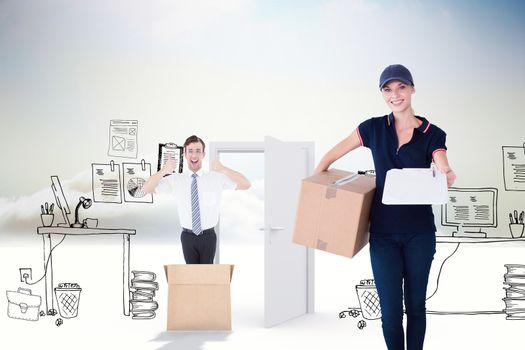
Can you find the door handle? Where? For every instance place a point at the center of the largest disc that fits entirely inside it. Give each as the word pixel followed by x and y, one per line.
pixel 272 228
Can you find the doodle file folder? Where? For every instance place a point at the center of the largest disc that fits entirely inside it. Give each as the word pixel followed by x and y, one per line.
pixel 415 186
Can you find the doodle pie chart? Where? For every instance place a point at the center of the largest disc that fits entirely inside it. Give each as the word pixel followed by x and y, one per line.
pixel 135 187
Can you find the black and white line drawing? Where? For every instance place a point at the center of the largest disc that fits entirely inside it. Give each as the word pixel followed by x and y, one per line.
pixel 68 294
pixel 516 225
pixel 514 167
pixel 476 240
pixel 514 299
pixel 48 235
pixel 170 151
pixel 23 305
pixel 47 215
pixel 106 182
pixel 369 307
pixel 85 203
pixel 68 299
pixel 26 274
pixel 470 207
pixel 123 138
pixel 134 177
pixel 60 200
pixel 143 287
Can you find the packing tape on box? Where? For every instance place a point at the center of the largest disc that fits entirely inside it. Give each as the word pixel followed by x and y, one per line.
pixel 331 190
pixel 321 244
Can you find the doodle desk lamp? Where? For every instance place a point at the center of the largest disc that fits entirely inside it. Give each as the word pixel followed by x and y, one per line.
pixel 85 203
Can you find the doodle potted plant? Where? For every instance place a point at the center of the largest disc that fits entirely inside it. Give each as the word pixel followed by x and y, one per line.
pixel 47 215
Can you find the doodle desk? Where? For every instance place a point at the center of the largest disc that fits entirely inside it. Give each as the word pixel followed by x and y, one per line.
pixel 469 240
pixel 49 232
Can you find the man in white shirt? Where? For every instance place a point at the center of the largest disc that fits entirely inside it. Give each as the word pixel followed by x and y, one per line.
pixel 197 196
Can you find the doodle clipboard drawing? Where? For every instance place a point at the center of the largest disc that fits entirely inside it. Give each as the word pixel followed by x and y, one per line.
pixel 106 182
pixel 134 177
pixel 170 151
pixel 123 140
pixel 514 168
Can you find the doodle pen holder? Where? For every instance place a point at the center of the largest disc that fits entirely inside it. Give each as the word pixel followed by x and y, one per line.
pixel 516 230
pixel 47 219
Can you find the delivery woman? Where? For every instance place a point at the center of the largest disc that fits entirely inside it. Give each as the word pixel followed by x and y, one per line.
pixel 402 237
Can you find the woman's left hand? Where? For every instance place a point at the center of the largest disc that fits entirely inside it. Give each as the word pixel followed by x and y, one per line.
pixel 451 176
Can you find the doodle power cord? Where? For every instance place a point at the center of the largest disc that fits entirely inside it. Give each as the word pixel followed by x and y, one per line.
pixel 441 268
pixel 45 267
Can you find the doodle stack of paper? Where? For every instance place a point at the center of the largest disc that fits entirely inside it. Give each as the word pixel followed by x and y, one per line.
pixel 515 290
pixel 143 287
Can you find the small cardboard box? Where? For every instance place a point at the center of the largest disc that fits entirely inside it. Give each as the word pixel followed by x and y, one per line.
pixel 199 296
pixel 333 212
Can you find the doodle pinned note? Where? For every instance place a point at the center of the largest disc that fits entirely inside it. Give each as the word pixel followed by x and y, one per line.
pixel 514 168
pixel 106 182
pixel 123 138
pixel 135 175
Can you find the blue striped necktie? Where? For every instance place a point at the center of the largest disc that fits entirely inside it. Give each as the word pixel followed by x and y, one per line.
pixel 195 211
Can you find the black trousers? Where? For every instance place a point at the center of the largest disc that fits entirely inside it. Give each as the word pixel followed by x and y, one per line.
pixel 198 249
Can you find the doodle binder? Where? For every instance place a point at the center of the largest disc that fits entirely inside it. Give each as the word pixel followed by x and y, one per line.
pixel 143 287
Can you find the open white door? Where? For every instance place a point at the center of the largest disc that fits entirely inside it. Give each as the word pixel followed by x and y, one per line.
pixel 288 280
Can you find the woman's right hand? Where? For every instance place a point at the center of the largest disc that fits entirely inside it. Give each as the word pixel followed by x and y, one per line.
pixel 348 144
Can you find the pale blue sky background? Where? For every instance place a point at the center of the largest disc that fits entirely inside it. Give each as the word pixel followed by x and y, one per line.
pixel 237 70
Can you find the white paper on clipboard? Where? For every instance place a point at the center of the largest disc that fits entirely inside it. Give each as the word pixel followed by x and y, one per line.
pixel 415 186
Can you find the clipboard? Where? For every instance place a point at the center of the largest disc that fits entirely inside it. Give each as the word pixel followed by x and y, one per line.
pixel 415 186
pixel 167 151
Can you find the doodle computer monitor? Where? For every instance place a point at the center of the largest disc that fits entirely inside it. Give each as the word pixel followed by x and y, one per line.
pixel 470 207
pixel 60 200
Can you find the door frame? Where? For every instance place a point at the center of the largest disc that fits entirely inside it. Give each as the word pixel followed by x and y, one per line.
pixel 215 148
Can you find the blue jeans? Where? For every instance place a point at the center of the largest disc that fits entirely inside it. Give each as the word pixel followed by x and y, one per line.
pixel 401 265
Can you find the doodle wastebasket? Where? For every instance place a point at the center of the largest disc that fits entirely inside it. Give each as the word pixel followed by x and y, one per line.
pixel 368 299
pixel 68 297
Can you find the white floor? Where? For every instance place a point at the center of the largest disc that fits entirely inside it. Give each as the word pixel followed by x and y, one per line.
pixel 101 324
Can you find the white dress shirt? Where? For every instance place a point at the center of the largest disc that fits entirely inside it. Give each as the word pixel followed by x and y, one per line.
pixel 209 184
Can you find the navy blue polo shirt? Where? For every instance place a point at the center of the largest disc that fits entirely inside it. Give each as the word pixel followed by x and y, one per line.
pixel 379 134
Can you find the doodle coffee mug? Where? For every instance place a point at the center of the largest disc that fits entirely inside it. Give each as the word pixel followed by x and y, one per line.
pixel 90 223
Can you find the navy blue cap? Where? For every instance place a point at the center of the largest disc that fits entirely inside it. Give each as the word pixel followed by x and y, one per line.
pixel 395 72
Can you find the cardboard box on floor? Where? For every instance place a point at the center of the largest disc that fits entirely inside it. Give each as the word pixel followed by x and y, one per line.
pixel 199 296
pixel 333 212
